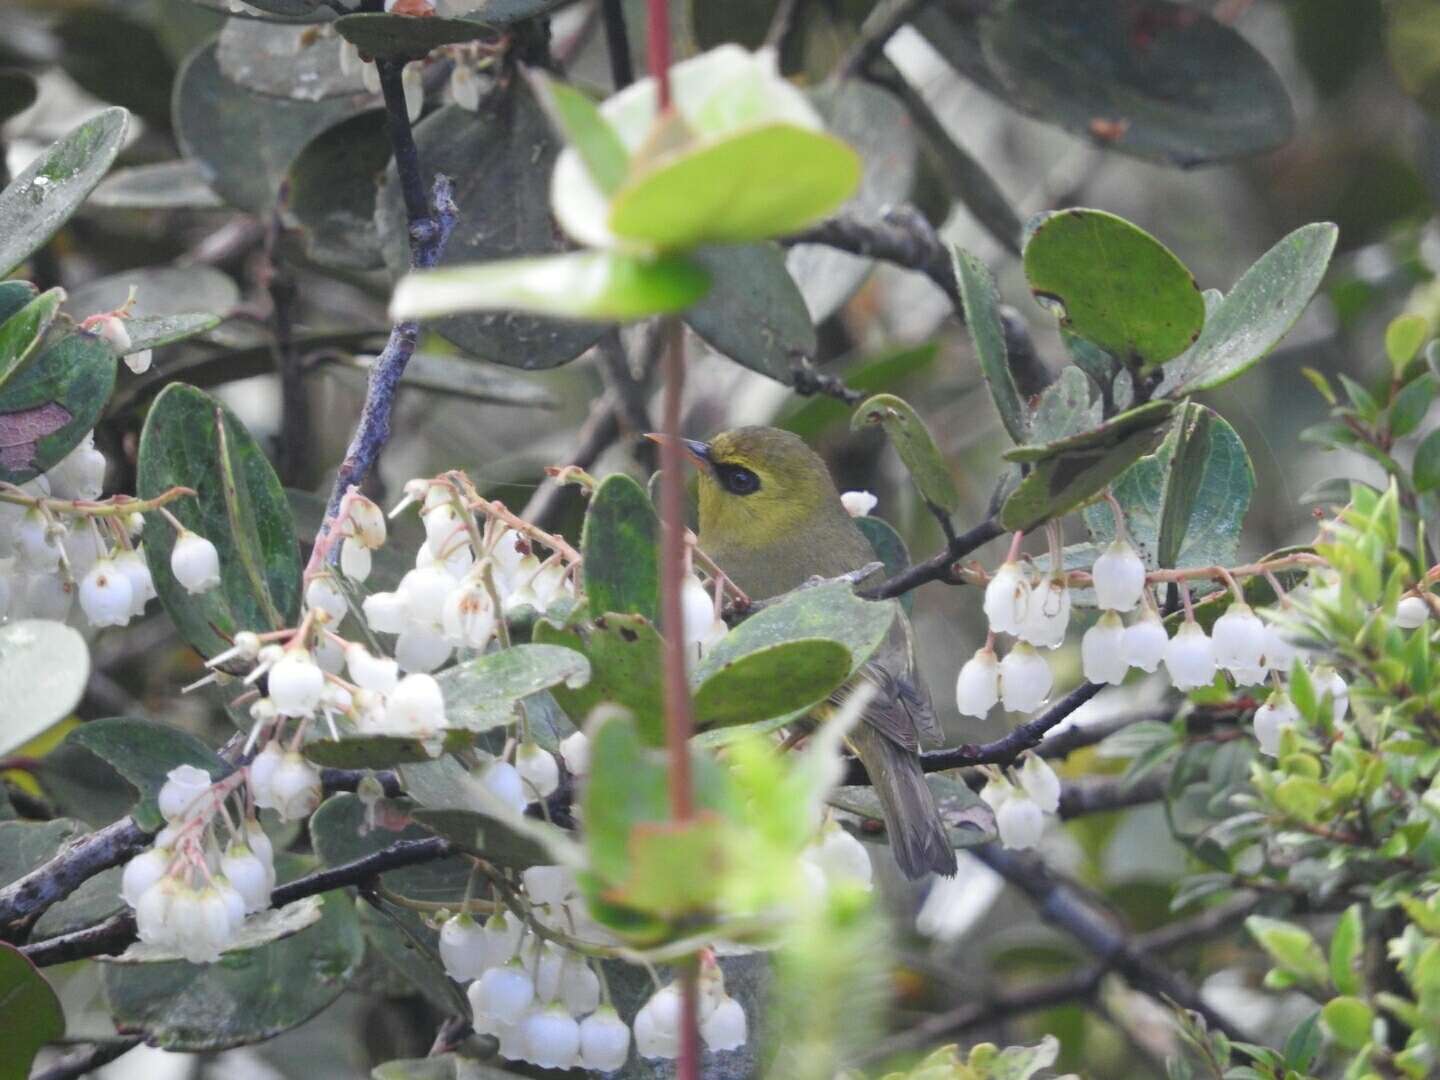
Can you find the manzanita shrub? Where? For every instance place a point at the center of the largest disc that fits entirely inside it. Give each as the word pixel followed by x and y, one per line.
pixel 525 767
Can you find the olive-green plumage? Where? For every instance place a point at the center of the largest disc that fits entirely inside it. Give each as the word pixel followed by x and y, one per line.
pixel 771 518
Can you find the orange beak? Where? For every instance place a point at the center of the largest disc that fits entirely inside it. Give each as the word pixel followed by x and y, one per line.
pixel 696 451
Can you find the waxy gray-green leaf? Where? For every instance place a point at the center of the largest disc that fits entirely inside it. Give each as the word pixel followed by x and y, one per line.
pixel 915 445
pixel 982 317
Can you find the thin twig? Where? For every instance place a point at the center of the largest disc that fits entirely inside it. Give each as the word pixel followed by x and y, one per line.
pixel 617 43
pixel 87 1059
pixel 938 567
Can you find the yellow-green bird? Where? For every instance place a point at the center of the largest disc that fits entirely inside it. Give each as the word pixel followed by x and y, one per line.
pixel 771 518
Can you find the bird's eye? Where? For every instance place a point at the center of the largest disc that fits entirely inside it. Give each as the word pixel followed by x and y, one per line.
pixel 738 480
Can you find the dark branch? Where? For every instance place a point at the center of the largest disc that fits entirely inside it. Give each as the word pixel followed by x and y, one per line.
pixel 617 43
pixel 87 1059
pixel 902 237
pixel 1095 795
pixel 937 567
pixel 115 934
pixel 1063 905
pixel 879 28
pixel 27 898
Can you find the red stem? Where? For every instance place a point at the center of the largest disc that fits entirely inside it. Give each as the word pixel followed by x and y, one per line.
pixel 658 49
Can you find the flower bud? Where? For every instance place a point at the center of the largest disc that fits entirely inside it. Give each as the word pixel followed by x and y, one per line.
pixel 462 948
pixel 579 986
pixel 111 329
pixel 366 520
pixel 106 595
pixel 1102 650
pixel 538 769
pixel 725 1027
pixel 1271 720
pixel 1019 822
pixel 152 912
pixel 142 872
pixel 322 594
pixel 1190 657
pixel 183 786
pixel 262 775
pixel 295 787
pixel 1038 780
pixel 370 77
pixel 575 751
pixel 139 361
pixel 131 563
pixel 504 783
pixel 195 563
pixel 1119 577
pixel 1025 679
pixel 978 687
pixel 502 939
pixel 1411 612
pixel 604 1040
pixel 296 683
pixel 355 560
pixel 251 877
pixel 413 83
pixel 1007 599
pixel 858 503
pixel 504 993
pixel 1145 640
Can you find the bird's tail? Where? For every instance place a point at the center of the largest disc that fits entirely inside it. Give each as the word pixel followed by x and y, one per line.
pixel 917 835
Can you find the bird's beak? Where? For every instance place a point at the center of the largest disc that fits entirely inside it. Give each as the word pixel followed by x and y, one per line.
pixel 695 450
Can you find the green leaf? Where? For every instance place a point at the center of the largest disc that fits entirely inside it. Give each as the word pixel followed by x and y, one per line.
pixel 624 655
pixel 191 440
pixel 30 1013
pixel 245 141
pixel 889 548
pixel 1256 314
pixel 753 312
pixel 52 187
pixel 1303 1043
pixel 171 302
pixel 404 37
pixel 44 667
pixel 1427 462
pixel 1348 1020
pixel 247 997
pixel 877 125
pixel 915 445
pixel 50 401
pixel 342 831
pixel 368 751
pixel 1067 473
pixel 969 822
pixel 482 693
pixel 333 189
pixel 1114 285
pixel 285 61
pixel 1403 338
pixel 982 316
pixel 261 928
pixel 1179 87
pixel 1411 404
pixel 1291 948
pixel 143 752
pixel 831 612
pixel 793 177
pixel 1065 408
pixel 14 295
pixel 812 416
pixel 780 679
pixel 1347 951
pixel 509 147
pixel 166 185
pixel 21 333
pixel 620 544
pixel 25 845
pixel 1207 491
pixel 578 119
pixel 603 285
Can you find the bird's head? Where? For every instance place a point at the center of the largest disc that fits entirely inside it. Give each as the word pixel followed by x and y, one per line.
pixel 758 485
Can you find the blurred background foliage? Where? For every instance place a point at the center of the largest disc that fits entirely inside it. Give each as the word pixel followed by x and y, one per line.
pixel 1361 77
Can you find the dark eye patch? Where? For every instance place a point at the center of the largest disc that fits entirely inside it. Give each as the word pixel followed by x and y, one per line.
pixel 737 479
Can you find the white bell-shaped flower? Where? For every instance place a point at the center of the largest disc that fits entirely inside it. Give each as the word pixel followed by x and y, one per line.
pixel 184 786
pixel 1190 657
pixel 1411 613
pixel 575 752
pixel 505 993
pixel 153 924
pixel 579 986
pixel 657 1025
pixel 553 1038
pixel 416 706
pixel 604 1040
pixel 323 594
pixel 425 591
pixel 143 871
pixel 1119 577
pixel 370 672
pixel 538 769
pixel 465 86
pixel 1008 599
pixel 1025 679
pixel 1145 641
pixel 37 544
pixel 502 939
pixel 386 612
pixel 1048 616
pixel 364 520
pixel 462 948
pixel 840 857
pixel 1102 650
pixel 858 503
pixel 355 559
pixel 468 617
pixel 106 595
pixel 202 922
pixel 725 1028
pixel 195 563
pixel 296 684
pixel 1239 638
pixel 421 648
pixel 978 687
pixel 1018 819
pixel 1038 780
pixel 1271 720
pixel 697 610
pixel 131 563
pixel 249 874
pixel 262 774
pixel 501 780
pixel 295 787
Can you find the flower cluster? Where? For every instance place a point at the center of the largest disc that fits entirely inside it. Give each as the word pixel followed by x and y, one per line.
pixel 1021 800
pixel 191 893
pixel 60 545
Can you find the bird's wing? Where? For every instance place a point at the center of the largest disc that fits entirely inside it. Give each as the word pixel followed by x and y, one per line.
pixel 887 711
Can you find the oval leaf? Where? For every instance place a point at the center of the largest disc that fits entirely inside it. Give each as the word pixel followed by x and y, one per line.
pixel 783 678
pixel 982 316
pixel 44 667
pixel 193 441
pixel 1115 285
pixel 620 544
pixel 405 37
pixel 52 187
pixel 482 693
pixel 753 312
pixel 22 331
pixel 333 190
pixel 916 447
pixel 50 401
pixel 143 752
pixel 31 1015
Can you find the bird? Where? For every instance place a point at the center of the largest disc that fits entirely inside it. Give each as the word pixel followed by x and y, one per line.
pixel 771 518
